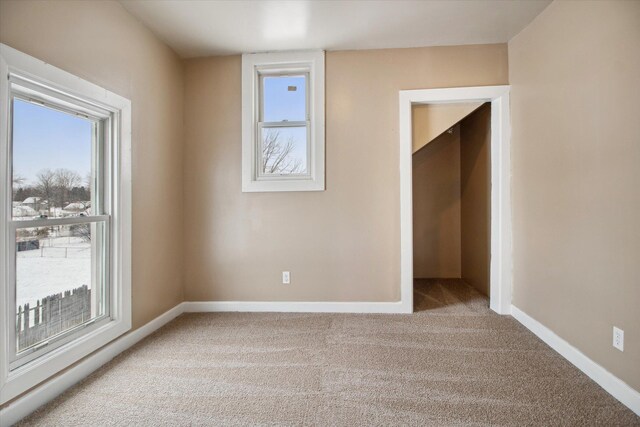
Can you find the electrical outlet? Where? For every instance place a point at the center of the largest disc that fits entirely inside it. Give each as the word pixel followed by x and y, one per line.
pixel 286 278
pixel 618 338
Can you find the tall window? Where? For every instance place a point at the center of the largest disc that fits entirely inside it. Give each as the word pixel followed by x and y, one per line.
pixel 64 289
pixel 283 122
pixel 60 221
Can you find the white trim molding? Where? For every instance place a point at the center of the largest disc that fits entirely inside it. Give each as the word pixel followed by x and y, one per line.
pixel 612 384
pixel 501 252
pixel 293 307
pixel 24 405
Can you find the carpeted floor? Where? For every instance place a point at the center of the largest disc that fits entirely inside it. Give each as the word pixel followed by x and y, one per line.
pixel 453 362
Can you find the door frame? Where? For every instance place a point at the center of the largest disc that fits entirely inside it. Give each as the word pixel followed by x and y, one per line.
pixel 500 276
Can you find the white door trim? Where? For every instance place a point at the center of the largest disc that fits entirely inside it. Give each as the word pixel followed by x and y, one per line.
pixel 501 252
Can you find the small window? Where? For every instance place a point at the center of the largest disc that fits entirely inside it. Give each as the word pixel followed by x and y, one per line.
pixel 284 125
pixel 283 122
pixel 65 214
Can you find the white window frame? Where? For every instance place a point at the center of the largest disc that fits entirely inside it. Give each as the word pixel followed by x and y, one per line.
pixel 254 66
pixel 48 81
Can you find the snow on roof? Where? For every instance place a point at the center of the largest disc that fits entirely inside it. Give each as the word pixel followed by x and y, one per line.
pixel 23 211
pixel 75 207
pixel 31 199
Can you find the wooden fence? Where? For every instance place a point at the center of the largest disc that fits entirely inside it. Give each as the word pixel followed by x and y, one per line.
pixel 52 315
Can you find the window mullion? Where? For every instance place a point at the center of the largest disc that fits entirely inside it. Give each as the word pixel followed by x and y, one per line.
pixel 283 124
pixel 51 222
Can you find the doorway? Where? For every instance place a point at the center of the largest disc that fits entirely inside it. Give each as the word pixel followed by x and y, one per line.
pixel 499 239
pixel 451 204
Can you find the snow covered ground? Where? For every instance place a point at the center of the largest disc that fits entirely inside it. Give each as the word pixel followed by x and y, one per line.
pixel 62 263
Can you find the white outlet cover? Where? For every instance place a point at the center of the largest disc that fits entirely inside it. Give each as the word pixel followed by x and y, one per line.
pixel 618 338
pixel 286 278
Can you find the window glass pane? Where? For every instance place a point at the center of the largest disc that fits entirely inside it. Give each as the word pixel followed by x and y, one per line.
pixel 284 150
pixel 284 98
pixel 52 162
pixel 59 280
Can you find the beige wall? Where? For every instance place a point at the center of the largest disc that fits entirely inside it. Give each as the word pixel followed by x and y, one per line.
pixel 102 43
pixel 436 207
pixel 475 194
pixel 429 120
pixel 575 76
pixel 341 244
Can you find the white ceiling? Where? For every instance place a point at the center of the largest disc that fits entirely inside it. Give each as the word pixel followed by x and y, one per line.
pixel 202 28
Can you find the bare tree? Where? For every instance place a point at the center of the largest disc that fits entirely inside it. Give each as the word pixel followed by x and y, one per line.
pixel 81 230
pixel 18 180
pixel 65 180
pixel 46 185
pixel 277 155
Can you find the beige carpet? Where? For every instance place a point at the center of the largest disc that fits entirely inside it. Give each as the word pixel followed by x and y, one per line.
pixel 452 363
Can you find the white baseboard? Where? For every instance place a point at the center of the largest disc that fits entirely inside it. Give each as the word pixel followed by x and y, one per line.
pixel 295 307
pixel 32 400
pixel 612 384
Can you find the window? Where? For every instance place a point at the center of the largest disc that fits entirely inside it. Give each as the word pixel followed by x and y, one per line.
pixel 283 122
pixel 66 249
pixel 59 221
